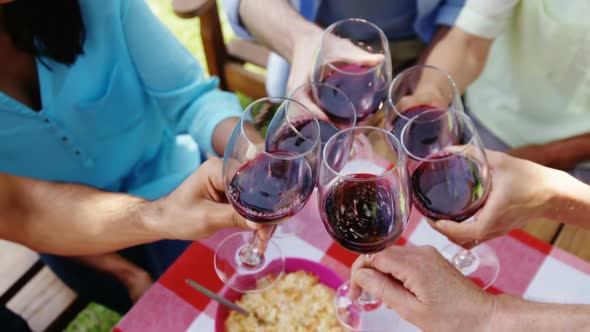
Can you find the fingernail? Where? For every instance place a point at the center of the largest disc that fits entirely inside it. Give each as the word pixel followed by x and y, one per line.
pixel 362 277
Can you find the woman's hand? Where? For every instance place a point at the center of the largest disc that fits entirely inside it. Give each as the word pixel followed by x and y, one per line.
pixel 198 207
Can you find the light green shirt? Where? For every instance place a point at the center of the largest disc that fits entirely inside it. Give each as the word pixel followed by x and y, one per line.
pixel 535 87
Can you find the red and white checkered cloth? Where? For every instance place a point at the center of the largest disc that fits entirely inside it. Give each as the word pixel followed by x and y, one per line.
pixel 529 267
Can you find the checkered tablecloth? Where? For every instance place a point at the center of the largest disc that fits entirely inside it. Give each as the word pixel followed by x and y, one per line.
pixel 529 267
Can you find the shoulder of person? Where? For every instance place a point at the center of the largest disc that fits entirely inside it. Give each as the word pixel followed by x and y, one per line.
pixel 100 12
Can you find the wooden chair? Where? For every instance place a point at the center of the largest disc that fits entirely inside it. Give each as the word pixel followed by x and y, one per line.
pixel 30 289
pixel 225 60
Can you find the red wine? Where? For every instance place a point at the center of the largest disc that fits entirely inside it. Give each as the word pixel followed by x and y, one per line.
pixel 362 85
pixel 301 140
pixel 450 189
pixel 268 190
pixel 360 215
pixel 399 122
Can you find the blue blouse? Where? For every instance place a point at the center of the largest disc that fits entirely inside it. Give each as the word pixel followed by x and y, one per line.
pixel 132 114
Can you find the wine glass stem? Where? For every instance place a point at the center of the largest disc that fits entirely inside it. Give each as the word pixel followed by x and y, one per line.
pixel 463 259
pixel 367 301
pixel 253 254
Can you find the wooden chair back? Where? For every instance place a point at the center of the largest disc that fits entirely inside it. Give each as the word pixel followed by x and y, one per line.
pixel 226 60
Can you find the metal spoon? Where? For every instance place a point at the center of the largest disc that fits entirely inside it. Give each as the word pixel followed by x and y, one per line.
pixel 218 298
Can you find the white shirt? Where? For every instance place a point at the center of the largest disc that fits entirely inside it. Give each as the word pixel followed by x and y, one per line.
pixel 535 87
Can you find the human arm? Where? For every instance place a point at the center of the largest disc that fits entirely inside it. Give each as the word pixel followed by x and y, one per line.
pixel 425 289
pixel 296 39
pixel 175 81
pixel 521 191
pixel 563 154
pixel 463 51
pixel 461 54
pixel 70 219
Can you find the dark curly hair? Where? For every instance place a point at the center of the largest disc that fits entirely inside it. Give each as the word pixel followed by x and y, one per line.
pixel 46 28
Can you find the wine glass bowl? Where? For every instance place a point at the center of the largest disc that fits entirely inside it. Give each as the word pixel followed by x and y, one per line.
pixel 451 178
pixel 417 89
pixel 269 172
pixel 354 57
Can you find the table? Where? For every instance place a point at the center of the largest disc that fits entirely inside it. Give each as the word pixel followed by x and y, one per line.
pixel 528 269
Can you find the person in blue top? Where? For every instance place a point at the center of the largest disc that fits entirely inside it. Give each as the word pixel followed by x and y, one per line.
pixel 100 93
pixel 293 28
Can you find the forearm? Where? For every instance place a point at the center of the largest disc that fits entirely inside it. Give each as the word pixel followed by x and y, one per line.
pixel 515 314
pixel 69 219
pixel 569 200
pixel 115 265
pixel 279 31
pixel 459 53
pixel 567 153
pixel 222 134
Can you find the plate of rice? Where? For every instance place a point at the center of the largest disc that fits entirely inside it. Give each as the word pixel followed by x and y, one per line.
pixel 302 301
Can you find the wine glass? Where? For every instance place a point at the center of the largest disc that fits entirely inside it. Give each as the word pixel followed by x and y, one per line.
pixel 324 100
pixel 417 89
pixel 451 180
pixel 269 172
pixel 354 57
pixel 364 205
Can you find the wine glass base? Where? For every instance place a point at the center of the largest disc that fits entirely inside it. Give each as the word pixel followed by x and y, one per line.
pixel 353 318
pixel 247 277
pixel 481 265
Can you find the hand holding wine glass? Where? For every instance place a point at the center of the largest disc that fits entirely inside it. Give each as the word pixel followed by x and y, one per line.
pixel 519 194
pixel 419 284
pixel 302 59
pixel 354 57
pixel 417 89
pixel 266 181
pixel 451 180
pixel 364 205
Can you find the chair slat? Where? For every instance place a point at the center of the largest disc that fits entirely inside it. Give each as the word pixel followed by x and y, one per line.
pixel 41 301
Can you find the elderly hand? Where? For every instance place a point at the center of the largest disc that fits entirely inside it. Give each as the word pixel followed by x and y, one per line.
pixel 421 286
pixel 519 193
pixel 198 207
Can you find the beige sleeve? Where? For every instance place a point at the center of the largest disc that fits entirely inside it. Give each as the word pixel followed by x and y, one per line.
pixel 485 18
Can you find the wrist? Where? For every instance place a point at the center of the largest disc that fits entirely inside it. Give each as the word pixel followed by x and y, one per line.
pixel 515 314
pixel 305 36
pixel 505 316
pixel 151 218
pixel 568 198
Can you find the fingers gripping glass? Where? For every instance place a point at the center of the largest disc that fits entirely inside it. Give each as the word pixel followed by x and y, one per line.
pixel 417 89
pixel 354 57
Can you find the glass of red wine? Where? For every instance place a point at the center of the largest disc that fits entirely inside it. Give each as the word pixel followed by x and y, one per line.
pixel 321 99
pixel 451 180
pixel 269 172
pixel 364 202
pixel 417 89
pixel 354 57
